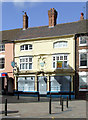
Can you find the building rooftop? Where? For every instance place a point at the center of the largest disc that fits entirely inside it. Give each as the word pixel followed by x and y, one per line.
pixel 80 26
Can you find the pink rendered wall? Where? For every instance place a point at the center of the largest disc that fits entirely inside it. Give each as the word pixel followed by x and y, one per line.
pixel 9 47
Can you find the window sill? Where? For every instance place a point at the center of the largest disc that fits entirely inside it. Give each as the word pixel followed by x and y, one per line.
pixel 80 90
pixel 60 68
pixel 25 50
pixel 82 45
pixel 25 70
pixel 2 51
pixel 83 66
pixel 2 69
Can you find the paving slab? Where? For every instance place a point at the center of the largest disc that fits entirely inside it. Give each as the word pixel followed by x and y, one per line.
pixel 26 108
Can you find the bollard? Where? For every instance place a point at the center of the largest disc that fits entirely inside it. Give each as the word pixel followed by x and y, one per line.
pixel 5 107
pixel 67 101
pixel 38 97
pixel 18 96
pixel 60 100
pixel 62 104
pixel 50 105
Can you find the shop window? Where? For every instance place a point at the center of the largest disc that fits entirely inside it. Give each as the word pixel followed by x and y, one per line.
pixel 83 40
pixel 60 61
pixel 60 44
pixel 2 47
pixel 83 84
pixel 60 83
pixel 25 63
pixel 26 47
pixel 26 83
pixel 2 63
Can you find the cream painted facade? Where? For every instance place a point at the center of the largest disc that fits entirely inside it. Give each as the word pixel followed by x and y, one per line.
pixel 42 52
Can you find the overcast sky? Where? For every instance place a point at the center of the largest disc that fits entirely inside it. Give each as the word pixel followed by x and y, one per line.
pixel 12 15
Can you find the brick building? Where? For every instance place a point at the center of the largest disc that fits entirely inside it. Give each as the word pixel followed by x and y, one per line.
pixel 81 81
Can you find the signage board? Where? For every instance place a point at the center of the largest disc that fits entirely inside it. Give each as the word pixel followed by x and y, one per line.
pixel 3 74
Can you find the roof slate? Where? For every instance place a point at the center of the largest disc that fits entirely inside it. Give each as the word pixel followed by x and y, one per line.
pixel 44 31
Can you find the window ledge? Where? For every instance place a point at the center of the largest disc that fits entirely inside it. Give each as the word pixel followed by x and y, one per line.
pixel 2 69
pixel 60 68
pixel 25 70
pixel 26 50
pixel 82 45
pixel 83 66
pixel 2 51
pixel 80 90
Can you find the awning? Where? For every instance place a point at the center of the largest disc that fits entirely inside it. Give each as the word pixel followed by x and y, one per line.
pixel 3 74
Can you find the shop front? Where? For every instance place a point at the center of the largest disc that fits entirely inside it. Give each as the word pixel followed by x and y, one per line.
pixel 46 84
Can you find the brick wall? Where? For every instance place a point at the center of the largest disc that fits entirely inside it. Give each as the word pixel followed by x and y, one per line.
pixel 79 94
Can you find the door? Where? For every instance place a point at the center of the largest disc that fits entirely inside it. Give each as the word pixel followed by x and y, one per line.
pixel 10 85
pixel 42 84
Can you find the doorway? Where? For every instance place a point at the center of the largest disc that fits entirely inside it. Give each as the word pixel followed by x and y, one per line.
pixel 42 85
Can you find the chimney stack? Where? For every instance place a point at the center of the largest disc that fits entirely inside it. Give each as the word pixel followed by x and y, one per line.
pixel 52 13
pixel 82 16
pixel 25 21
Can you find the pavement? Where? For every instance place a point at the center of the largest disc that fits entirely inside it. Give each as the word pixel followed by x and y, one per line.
pixel 29 107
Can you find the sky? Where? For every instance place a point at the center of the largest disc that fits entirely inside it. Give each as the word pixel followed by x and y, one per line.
pixel 12 15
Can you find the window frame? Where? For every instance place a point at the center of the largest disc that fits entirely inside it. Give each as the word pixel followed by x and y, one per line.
pixel 85 44
pixel 20 63
pixel 58 42
pixel 81 52
pixel 1 48
pixel 24 46
pixel 83 74
pixel 2 63
pixel 55 61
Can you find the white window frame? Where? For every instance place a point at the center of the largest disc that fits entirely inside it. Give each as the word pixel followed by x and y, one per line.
pixel 58 42
pixel 26 62
pixel 60 60
pixel 83 74
pixel 80 52
pixel 1 49
pixel 25 46
pixel 86 41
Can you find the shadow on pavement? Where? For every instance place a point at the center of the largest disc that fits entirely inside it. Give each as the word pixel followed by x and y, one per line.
pixel 3 112
pixel 24 99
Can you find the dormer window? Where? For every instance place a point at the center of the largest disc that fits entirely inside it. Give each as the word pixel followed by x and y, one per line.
pixel 26 47
pixel 60 44
pixel 2 47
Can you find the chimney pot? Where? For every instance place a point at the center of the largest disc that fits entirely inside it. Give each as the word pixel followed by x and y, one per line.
pixel 82 16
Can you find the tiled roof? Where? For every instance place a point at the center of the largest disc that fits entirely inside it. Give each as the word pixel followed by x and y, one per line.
pixel 44 31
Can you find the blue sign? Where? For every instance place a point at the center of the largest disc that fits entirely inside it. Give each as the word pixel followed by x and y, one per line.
pixel 13 64
pixel 42 64
pixel 3 74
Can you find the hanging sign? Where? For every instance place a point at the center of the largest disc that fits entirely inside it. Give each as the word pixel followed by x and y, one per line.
pixel 42 64
pixel 13 64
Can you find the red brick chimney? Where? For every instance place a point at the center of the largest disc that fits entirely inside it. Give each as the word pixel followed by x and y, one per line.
pixel 82 16
pixel 52 13
pixel 25 21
